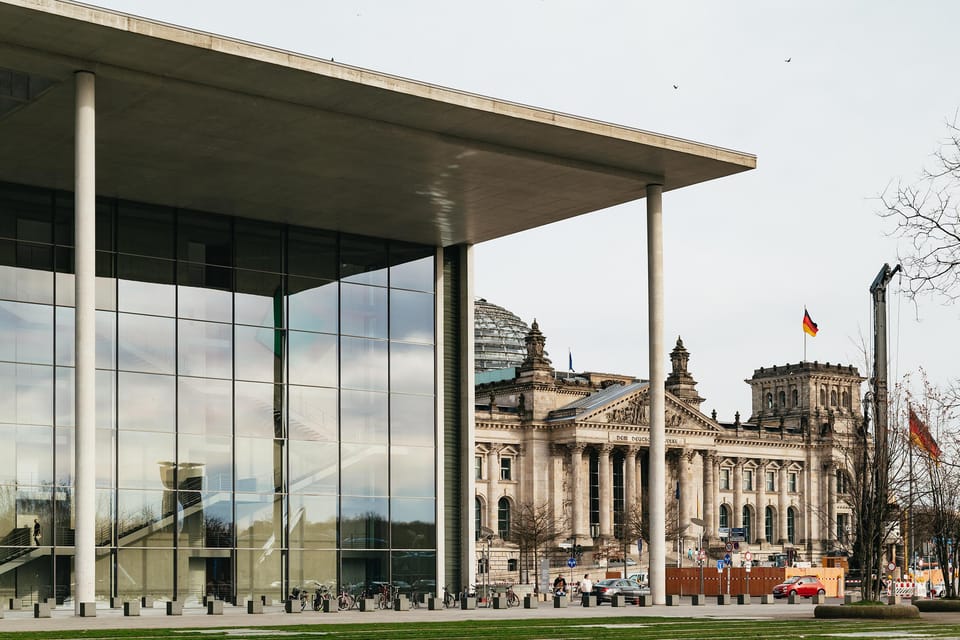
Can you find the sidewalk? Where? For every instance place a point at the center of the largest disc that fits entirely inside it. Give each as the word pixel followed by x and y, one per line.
pixel 63 618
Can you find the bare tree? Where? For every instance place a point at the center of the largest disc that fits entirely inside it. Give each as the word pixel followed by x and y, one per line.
pixel 926 214
pixel 533 528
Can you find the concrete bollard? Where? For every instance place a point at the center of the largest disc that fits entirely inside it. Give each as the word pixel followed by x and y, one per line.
pixel 433 603
pixel 560 602
pixel 290 606
pixel 41 610
pixel 468 603
pixel 850 598
pixel 893 599
pixel 174 607
pixel 743 598
pixel 793 598
pixel 530 601
pixel 767 598
pixel 499 601
pixel 52 602
pixel 819 599
pixel 400 603
pixel 116 602
pixel 588 600
pixel 699 600
pixel 16 604
pixel 146 602
pixel 724 599
pixel 673 600
pixel 88 609
pixel 619 600
pixel 215 608
pixel 645 601
pixel 131 608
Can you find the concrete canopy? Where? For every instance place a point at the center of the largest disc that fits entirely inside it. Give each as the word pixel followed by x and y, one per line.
pixel 198 121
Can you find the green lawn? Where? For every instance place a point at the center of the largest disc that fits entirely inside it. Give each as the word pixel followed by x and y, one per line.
pixel 540 629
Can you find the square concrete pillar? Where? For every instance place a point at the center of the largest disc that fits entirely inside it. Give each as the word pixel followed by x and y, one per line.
pixel 698 600
pixel 893 599
pixel 131 608
pixel 743 598
pixel 88 609
pixel 468 603
pixel 645 601
pixel 849 598
pixel 673 600
pixel 560 602
pixel 174 607
pixel 367 604
pixel 254 606
pixel 16 604
pixel 499 601
pixel 52 602
pixel 41 610
pixel 146 602
pixel 618 600
pixel 724 599
pixel 266 600
pixel 433 603
pixel 328 605
pixel 793 598
pixel 588 600
pixel 819 599
pixel 767 598
pixel 530 601
pixel 116 602
pixel 400 603
pixel 215 608
pixel 290 606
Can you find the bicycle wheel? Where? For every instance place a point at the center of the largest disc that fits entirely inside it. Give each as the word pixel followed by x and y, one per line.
pixel 513 600
pixel 344 602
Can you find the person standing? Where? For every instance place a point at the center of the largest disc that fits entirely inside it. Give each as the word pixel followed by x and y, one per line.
pixel 36 532
pixel 586 588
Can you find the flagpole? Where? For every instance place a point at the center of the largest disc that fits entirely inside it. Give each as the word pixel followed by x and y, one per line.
pixel 804 335
pixel 910 501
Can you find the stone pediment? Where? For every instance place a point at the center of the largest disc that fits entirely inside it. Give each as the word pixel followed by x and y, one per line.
pixel 632 408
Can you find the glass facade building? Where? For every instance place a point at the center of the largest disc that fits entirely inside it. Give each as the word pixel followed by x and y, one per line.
pixel 266 410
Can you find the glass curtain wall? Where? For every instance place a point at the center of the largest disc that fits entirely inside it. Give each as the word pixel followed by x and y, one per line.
pixel 265 405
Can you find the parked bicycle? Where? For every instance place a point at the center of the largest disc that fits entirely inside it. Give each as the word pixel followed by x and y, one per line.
pixel 513 600
pixel 449 599
pixel 322 593
pixel 345 601
pixel 296 594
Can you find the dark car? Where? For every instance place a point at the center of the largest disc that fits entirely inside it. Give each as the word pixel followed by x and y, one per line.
pixel 629 589
pixel 806 586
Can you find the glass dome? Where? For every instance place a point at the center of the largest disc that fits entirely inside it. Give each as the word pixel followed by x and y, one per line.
pixel 499 337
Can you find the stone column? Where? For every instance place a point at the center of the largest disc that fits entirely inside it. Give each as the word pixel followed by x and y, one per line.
pixel 606 490
pixel 760 532
pixel 783 503
pixel 85 339
pixel 629 481
pixel 709 496
pixel 688 500
pixel 830 468
pixel 493 486
pixel 738 493
pixel 578 499
pixel 657 394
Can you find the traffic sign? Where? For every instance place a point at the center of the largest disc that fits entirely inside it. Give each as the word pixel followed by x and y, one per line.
pixel 891 567
pixel 702 555
pixel 719 565
pixel 571 562
pixel 748 556
pixel 726 557
pixel 747 565
pixel 729 546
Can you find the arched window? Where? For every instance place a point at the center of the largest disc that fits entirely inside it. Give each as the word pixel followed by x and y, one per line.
pixel 843 482
pixel 823 396
pixel 769 401
pixel 833 398
pixel 846 400
pixel 768 524
pixel 477 516
pixel 792 526
pixel 724 516
pixel 503 519
pixel 783 399
pixel 796 397
pixel 747 532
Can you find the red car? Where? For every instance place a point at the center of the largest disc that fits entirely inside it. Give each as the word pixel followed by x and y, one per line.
pixel 806 586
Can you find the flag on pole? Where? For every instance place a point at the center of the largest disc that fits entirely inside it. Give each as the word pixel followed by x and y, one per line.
pixel 570 354
pixel 921 438
pixel 809 326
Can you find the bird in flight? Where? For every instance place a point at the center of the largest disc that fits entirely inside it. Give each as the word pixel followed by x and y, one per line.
pixel 788 59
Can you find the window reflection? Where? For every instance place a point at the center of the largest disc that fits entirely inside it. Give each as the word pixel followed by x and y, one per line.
pixel 363 470
pixel 259 521
pixel 26 393
pixel 27 331
pixel 412 471
pixel 363 364
pixel 204 238
pixel 205 349
pixel 145 285
pixel 411 316
pixel 145 518
pixel 363 311
pixel 23 283
pixel 313 521
pixel 363 260
pixel 411 368
pixel 313 413
pixel 144 572
pixel 259 299
pixel 411 267
pixel 258 409
pixel 312 253
pixel 313 467
pixel 147 461
pixel 205 302
pixel 313 359
pixel 363 416
pixel 204 519
pixel 204 407
pixel 258 245
pixel 258 354
pixel 26 456
pixel 146 402
pixel 206 462
pixel 310 568
pixel 259 573
pixel 259 465
pixel 313 304
pixel 413 523
pixel 412 419
pixel 146 343
pixel 364 523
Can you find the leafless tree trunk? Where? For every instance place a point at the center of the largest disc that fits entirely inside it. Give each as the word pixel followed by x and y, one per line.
pixel 533 528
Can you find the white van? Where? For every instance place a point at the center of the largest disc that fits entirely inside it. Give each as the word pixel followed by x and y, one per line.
pixel 642 578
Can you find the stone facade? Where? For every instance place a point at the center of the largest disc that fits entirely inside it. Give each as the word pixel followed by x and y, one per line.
pixel 578 443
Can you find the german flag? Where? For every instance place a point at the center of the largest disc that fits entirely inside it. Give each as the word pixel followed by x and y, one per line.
pixel 921 438
pixel 809 326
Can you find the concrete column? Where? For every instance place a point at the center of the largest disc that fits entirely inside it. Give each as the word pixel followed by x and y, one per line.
pixel 783 504
pixel 760 531
pixel 688 500
pixel 831 470
pixel 493 486
pixel 709 496
pixel 85 339
pixel 738 494
pixel 656 355
pixel 606 491
pixel 578 501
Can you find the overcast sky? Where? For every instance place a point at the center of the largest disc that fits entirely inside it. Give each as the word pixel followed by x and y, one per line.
pixel 862 102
